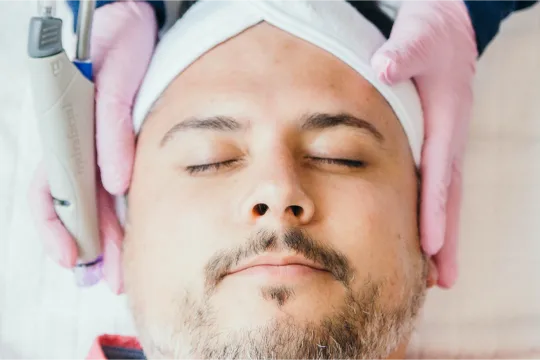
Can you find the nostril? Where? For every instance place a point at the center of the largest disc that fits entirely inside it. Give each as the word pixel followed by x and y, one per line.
pixel 260 209
pixel 296 210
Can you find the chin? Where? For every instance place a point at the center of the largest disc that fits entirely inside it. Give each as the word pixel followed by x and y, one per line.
pixel 248 305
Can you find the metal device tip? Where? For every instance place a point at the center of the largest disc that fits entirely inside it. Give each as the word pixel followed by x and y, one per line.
pixel 47 8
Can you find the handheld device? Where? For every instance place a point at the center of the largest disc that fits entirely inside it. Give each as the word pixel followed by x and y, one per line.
pixel 63 94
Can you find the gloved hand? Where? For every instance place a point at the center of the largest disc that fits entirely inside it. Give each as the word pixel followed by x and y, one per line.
pixel 123 40
pixel 434 43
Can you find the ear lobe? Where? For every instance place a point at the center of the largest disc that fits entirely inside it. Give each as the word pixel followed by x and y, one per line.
pixel 433 275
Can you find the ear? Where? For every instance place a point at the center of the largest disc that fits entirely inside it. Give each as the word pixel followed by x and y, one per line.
pixel 433 274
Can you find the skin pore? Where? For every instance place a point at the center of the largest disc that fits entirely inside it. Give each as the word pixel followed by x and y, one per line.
pixel 273 211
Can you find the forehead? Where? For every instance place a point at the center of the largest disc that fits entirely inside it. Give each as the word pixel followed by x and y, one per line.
pixel 269 62
pixel 267 74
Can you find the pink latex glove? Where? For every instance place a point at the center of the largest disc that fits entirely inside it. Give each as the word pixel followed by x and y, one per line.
pixel 123 40
pixel 434 43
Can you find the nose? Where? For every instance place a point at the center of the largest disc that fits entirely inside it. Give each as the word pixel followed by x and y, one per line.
pixel 277 197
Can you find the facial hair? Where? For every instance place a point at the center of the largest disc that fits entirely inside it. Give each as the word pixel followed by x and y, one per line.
pixel 361 328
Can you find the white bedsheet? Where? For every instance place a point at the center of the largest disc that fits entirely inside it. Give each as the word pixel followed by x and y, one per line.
pixel 493 311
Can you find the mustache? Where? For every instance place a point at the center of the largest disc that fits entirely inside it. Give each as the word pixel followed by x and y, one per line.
pixel 293 240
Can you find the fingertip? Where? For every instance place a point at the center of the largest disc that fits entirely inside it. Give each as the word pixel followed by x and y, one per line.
pixel 116 146
pixel 118 288
pixel 112 235
pixel 112 270
pixel 448 275
pixel 397 61
pixel 385 67
pixel 432 243
pixel 432 229
pixel 433 209
pixel 58 243
pixel 116 180
pixel 447 266
pixel 114 282
pixel 447 256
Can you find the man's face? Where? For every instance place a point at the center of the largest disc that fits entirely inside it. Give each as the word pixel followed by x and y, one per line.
pixel 273 210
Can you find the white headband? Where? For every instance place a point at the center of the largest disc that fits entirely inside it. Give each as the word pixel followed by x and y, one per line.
pixel 334 26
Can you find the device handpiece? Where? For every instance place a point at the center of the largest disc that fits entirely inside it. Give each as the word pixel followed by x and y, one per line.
pixel 63 96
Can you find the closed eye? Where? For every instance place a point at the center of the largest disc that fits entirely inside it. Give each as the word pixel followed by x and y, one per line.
pixel 214 167
pixel 341 162
pixel 208 168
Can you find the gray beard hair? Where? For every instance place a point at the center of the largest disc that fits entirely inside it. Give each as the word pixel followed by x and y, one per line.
pixel 361 329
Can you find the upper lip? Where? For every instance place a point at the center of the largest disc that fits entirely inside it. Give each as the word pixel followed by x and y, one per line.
pixel 276 260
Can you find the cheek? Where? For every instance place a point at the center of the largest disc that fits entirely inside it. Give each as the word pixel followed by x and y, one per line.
pixel 172 234
pixel 177 225
pixel 176 228
pixel 375 227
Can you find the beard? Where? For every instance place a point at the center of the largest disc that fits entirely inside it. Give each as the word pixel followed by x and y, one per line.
pixel 362 327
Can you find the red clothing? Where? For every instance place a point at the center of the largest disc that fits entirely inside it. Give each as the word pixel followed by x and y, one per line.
pixel 115 347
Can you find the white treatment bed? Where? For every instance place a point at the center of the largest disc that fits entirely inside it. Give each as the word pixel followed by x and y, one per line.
pixel 492 312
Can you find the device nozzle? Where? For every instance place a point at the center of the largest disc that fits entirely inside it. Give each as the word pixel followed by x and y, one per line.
pixel 47 8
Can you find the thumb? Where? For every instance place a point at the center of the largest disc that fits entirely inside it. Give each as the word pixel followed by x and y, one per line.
pixel 395 62
pixel 411 46
pixel 123 39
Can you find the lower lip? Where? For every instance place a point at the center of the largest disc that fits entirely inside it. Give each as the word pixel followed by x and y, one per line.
pixel 279 271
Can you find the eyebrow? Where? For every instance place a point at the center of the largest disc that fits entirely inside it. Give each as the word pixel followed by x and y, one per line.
pixel 316 121
pixel 319 121
pixel 215 123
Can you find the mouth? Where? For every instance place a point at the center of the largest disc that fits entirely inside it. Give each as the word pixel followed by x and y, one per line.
pixel 273 265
